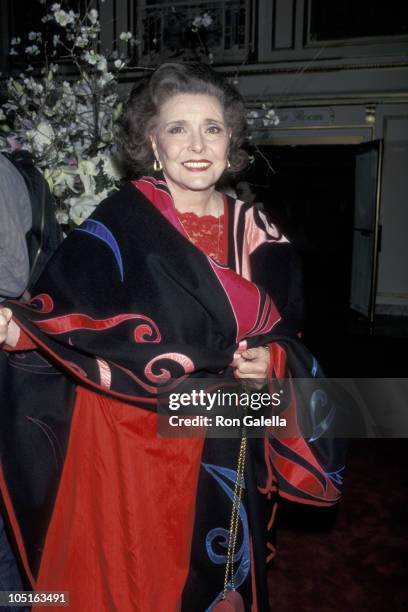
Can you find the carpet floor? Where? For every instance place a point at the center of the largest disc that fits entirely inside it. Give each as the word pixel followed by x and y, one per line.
pixel 354 557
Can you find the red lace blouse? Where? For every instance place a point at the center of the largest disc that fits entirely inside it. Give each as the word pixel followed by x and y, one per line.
pixel 208 233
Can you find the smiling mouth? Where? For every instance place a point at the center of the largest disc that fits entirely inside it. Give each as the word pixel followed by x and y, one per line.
pixel 197 165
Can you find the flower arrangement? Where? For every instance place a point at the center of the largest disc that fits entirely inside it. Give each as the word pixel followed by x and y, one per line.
pixel 63 111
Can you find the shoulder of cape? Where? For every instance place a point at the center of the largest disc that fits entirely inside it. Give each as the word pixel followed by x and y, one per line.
pixel 250 219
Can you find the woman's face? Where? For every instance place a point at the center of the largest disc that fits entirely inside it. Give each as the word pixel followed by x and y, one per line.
pixel 191 141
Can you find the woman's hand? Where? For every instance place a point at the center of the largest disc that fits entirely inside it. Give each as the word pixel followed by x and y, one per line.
pixel 253 364
pixel 5 318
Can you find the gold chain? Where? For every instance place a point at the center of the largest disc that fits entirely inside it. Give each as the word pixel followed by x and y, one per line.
pixel 219 240
pixel 234 524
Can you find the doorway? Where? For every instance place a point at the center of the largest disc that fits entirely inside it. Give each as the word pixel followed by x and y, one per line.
pixel 310 194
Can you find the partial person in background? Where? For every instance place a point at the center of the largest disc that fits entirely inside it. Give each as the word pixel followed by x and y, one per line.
pixel 44 234
pixel 15 223
pixel 29 235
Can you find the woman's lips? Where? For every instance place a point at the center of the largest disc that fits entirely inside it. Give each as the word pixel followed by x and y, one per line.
pixel 197 165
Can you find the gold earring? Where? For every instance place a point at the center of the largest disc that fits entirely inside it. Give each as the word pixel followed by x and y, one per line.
pixel 157 165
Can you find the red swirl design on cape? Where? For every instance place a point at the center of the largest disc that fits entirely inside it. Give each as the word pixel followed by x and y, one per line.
pixel 72 322
pixel 164 376
pixel 45 301
pixel 185 362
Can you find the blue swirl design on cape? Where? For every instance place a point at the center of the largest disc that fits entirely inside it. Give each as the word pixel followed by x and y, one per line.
pixel 320 398
pixel 99 230
pixel 243 554
pixel 32 361
pixel 336 476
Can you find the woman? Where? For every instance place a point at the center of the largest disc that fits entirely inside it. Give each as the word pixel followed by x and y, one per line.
pixel 155 288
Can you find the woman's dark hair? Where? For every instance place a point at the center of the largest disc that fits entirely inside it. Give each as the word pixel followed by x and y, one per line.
pixel 143 106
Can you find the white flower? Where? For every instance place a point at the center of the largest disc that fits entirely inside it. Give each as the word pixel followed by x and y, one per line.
pixel 110 168
pixel 55 7
pixel 55 40
pixel 35 36
pixel 93 16
pixel 15 41
pixel 81 41
pixel 32 50
pixel 62 217
pixel 102 64
pixel 206 20
pixel 42 136
pixel 125 36
pixel 272 117
pixel 13 51
pixel 64 18
pixel 119 64
pixel 82 88
pixel 60 178
pixel 91 57
pixel 81 207
pixel 105 78
pixel 33 85
pixel 197 22
pixel 87 166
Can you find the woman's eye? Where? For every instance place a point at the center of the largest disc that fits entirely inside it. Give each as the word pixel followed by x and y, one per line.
pixel 177 129
pixel 213 129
